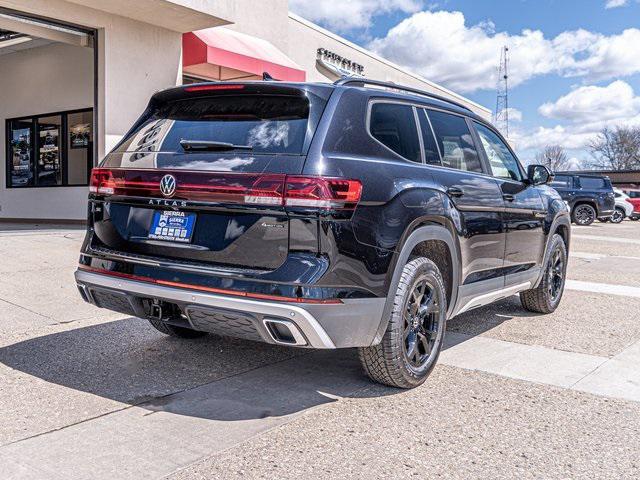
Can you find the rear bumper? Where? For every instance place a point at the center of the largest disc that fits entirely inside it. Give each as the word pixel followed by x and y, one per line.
pixel 352 323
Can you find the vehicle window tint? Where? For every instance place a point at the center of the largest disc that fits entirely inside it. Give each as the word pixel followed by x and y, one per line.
pixel 455 142
pixel 265 124
pixel 562 181
pixel 503 163
pixel 633 194
pixel 431 155
pixel 592 183
pixel 394 126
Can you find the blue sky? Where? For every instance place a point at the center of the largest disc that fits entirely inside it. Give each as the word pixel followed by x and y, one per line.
pixel 575 65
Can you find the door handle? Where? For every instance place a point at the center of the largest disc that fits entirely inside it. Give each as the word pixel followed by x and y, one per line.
pixel 509 197
pixel 455 192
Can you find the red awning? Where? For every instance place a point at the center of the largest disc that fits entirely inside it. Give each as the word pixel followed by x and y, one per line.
pixel 223 54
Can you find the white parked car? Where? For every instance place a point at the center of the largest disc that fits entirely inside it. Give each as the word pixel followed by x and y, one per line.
pixel 624 208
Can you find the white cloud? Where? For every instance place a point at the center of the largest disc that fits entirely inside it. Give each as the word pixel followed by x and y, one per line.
pixel 615 3
pixel 587 110
pixel 343 15
pixel 592 103
pixel 440 46
pixel 515 115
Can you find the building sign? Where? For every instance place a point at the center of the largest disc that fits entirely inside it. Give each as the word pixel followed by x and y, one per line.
pixel 339 65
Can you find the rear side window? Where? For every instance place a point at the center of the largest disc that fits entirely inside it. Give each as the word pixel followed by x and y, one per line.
pixel 394 125
pixel 633 194
pixel 261 123
pixel 455 142
pixel 592 183
pixel 562 181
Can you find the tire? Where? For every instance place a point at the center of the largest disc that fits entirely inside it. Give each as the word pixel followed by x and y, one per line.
pixel 546 297
pixel 417 324
pixel 583 214
pixel 173 331
pixel 635 219
pixel 618 216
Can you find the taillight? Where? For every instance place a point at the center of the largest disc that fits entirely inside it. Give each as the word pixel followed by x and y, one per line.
pixel 102 182
pixel 320 192
pixel 232 188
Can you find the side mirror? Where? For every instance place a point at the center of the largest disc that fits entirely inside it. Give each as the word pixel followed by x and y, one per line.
pixel 539 175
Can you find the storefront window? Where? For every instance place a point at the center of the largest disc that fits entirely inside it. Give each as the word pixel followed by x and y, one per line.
pixel 50 150
pixel 20 169
pixel 49 167
pixel 80 142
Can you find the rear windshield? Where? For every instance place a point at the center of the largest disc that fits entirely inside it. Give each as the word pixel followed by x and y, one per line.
pixel 261 124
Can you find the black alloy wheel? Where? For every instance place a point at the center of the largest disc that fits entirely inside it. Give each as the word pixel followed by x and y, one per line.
pixel 412 341
pixel 584 214
pixel 555 274
pixel 546 296
pixel 421 319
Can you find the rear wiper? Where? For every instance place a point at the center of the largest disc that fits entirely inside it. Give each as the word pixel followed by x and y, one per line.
pixel 193 145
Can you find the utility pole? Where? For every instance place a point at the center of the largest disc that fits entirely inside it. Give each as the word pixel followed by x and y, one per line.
pixel 501 113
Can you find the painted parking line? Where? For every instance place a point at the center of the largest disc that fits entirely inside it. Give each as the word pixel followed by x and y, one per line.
pixel 618 376
pixel 603 238
pixel 621 290
pixel 515 360
pixel 587 255
pixel 599 256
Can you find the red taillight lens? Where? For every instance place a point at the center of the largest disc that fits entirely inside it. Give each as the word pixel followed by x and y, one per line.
pixel 320 192
pixel 238 188
pixel 204 88
pixel 102 182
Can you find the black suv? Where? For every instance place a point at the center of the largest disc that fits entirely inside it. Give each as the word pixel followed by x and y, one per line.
pixel 358 214
pixel 588 196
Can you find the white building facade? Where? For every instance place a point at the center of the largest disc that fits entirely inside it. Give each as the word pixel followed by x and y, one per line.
pixel 75 75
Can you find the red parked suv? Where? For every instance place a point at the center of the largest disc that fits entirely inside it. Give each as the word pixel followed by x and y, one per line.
pixel 634 198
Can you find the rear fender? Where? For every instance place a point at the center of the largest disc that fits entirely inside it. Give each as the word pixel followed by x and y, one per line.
pixel 421 234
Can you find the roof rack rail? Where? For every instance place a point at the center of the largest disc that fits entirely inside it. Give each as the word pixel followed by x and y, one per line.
pixel 380 83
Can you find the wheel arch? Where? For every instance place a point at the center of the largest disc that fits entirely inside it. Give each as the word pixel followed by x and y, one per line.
pixel 433 241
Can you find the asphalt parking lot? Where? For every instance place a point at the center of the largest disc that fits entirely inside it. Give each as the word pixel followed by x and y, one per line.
pixel 85 393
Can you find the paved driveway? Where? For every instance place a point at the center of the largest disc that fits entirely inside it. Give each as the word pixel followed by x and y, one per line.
pixel 85 393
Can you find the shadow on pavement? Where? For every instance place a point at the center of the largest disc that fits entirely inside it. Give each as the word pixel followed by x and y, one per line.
pixel 479 320
pixel 214 377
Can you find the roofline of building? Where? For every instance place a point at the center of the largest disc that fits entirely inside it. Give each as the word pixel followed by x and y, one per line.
pixel 369 53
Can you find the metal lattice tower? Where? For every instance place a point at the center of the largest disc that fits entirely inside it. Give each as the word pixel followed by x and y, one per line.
pixel 501 113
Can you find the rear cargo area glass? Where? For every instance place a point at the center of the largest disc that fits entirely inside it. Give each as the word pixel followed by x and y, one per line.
pixel 266 124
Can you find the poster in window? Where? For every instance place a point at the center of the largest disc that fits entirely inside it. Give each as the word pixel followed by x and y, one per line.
pixel 80 135
pixel 21 168
pixel 48 154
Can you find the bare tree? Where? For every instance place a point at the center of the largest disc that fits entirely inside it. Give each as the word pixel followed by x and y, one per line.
pixel 554 157
pixel 617 148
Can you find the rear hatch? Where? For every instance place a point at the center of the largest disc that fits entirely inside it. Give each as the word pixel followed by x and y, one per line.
pixel 201 176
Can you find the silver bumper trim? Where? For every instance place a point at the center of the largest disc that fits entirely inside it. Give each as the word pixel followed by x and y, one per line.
pixel 304 320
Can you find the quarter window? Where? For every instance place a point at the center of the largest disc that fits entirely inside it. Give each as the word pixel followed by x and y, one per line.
pixel 455 142
pixel 592 183
pixel 431 155
pixel 562 181
pixel 394 125
pixel 503 163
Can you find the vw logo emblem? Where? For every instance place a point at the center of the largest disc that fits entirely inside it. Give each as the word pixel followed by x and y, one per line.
pixel 168 185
